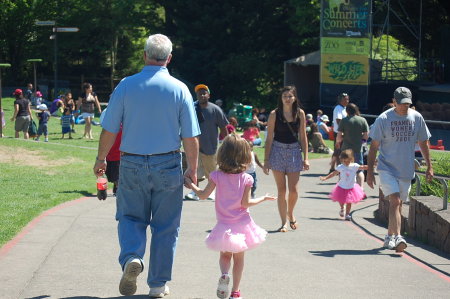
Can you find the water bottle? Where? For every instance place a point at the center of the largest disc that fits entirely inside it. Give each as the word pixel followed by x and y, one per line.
pixel 102 186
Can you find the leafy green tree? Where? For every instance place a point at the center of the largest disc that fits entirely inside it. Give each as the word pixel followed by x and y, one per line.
pixel 236 47
pixel 111 34
pixel 305 25
pixel 17 35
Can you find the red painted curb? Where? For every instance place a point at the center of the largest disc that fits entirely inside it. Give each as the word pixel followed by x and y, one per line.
pixel 9 245
pixel 407 257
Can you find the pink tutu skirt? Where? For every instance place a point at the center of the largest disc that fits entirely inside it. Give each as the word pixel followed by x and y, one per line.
pixel 343 196
pixel 235 237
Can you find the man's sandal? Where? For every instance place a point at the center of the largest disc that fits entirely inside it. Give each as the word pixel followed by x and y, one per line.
pixel 283 229
pixel 293 224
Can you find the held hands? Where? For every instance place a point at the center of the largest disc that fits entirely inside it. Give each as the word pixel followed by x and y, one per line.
pixel 188 182
pixel 190 178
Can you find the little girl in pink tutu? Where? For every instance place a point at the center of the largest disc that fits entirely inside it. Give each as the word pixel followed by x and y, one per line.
pixel 346 191
pixel 235 231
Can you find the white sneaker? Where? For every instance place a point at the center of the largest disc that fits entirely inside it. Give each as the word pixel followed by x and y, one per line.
pixel 400 244
pixel 348 217
pixel 389 242
pixel 131 270
pixel 191 196
pixel 159 292
pixel 222 287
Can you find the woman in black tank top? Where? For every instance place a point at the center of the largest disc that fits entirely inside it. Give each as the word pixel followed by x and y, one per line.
pixel 285 143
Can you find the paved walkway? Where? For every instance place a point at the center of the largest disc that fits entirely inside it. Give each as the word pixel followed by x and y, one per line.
pixel 71 252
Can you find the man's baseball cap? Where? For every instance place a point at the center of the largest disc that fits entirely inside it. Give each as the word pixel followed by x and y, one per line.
pixel 201 86
pixel 402 95
pixel 17 92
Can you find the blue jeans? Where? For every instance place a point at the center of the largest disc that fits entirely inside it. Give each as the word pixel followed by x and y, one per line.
pixel 253 174
pixel 150 194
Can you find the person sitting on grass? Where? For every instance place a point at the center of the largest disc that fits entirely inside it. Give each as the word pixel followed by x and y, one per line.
pixel 251 133
pixel 316 140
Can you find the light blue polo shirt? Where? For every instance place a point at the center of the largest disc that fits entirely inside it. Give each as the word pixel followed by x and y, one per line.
pixel 156 111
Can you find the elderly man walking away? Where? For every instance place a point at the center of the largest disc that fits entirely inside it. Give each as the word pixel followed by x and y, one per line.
pixel 157 113
pixel 395 133
pixel 211 120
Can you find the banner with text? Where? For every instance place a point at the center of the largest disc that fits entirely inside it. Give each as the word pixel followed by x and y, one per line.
pixel 345 47
pixel 345 18
pixel 344 69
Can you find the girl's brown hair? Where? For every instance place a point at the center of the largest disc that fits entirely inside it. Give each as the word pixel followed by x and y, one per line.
pixel 347 154
pixel 234 154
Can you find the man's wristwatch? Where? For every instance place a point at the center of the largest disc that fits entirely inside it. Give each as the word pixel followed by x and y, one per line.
pixel 100 160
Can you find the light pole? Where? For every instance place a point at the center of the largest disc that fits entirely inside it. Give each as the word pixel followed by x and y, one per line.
pixel 55 63
pixel 34 60
pixel 1 116
pixel 55 48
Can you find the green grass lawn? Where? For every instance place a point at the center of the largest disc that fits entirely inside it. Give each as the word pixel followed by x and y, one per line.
pixel 36 176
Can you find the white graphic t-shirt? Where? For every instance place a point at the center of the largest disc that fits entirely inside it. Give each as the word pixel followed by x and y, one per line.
pixel 398 135
pixel 347 175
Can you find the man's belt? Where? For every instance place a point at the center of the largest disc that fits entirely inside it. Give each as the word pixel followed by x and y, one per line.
pixel 150 155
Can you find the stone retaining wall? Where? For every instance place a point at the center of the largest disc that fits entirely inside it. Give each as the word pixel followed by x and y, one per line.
pixel 425 220
pixel 428 222
pixel 382 213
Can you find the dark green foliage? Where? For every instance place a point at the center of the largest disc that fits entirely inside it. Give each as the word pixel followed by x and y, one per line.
pixel 236 47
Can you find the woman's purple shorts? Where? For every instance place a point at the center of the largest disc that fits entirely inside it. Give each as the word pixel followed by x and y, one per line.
pixel 285 157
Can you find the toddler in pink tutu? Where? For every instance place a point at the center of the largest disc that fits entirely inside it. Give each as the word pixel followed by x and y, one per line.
pixel 347 191
pixel 235 231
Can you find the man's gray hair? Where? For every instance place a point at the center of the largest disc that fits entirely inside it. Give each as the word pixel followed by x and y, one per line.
pixel 158 47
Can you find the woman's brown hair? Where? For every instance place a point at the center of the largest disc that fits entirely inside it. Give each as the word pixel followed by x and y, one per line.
pixel 295 104
pixel 234 154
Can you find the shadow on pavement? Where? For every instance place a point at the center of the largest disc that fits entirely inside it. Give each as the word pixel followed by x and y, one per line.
pixel 333 253
pixel 316 192
pixel 312 175
pixel 278 232
pixel 82 192
pixel 321 198
pixel 90 297
pixel 324 218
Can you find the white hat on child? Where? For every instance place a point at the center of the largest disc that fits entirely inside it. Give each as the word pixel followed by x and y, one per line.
pixel 41 107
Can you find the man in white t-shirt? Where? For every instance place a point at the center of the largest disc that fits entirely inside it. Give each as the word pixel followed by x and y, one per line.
pixel 394 134
pixel 338 114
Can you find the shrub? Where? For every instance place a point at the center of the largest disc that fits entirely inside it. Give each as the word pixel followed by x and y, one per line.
pixel 441 166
